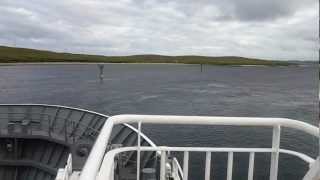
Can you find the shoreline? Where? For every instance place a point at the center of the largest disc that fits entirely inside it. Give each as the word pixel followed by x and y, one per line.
pixel 23 56
pixel 95 63
pixel 78 63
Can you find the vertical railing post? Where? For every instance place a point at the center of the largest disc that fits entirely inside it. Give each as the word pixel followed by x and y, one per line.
pixel 208 166
pixel 275 153
pixel 185 165
pixel 49 130
pixel 251 166
pixel 72 132
pixel 163 162
pixel 230 166
pixel 65 130
pixel 112 172
pixel 139 150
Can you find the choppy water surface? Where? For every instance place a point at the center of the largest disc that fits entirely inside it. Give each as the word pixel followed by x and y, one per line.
pixel 290 92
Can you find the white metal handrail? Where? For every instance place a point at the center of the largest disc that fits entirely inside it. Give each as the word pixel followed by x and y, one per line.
pixel 95 159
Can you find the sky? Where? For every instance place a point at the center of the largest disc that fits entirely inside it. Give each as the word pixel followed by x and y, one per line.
pixel 268 29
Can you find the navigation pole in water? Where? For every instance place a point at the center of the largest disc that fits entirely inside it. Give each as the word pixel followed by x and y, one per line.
pixel 101 67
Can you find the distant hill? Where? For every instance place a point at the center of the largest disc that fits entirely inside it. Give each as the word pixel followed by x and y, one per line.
pixel 23 55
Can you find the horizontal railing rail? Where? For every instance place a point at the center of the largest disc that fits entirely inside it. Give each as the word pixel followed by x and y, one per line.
pixel 99 164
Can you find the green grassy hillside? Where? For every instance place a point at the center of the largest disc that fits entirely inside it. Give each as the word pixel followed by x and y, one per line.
pixel 23 55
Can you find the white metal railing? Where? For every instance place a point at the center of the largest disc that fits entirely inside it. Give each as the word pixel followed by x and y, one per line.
pixel 107 168
pixel 100 165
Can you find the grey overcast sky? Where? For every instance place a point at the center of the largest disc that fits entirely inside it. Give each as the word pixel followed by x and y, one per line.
pixel 273 29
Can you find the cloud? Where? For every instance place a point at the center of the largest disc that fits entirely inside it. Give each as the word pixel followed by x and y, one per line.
pixel 274 29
